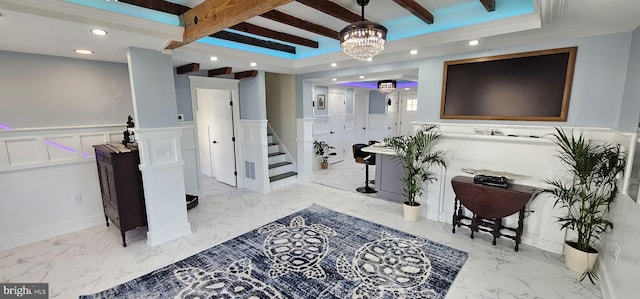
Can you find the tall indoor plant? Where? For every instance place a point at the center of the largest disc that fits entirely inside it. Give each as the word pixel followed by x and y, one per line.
pixel 416 155
pixel 324 151
pixel 587 197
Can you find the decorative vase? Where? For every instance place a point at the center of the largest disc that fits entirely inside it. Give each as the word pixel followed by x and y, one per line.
pixel 324 165
pixel 577 260
pixel 411 213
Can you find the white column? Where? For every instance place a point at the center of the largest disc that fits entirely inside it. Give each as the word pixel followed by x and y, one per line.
pixel 305 152
pixel 163 179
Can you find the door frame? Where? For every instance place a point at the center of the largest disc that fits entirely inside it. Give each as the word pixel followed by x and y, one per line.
pixel 198 82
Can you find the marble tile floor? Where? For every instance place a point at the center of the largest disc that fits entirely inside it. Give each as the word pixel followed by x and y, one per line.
pixel 92 260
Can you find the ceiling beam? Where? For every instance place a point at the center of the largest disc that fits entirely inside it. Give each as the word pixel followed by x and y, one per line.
pixel 245 74
pixel 281 36
pixel 163 6
pixel 290 20
pixel 416 9
pixel 220 71
pixel 212 16
pixel 332 9
pixel 177 9
pixel 235 37
pixel 490 5
pixel 188 68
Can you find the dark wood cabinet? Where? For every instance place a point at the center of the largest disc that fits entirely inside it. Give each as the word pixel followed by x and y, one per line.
pixel 121 188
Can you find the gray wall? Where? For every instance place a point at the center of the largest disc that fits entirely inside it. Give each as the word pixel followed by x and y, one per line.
pixel 377 102
pixel 281 108
pixel 151 74
pixel 631 98
pixel 598 81
pixel 596 97
pixel 46 91
pixel 621 277
pixel 321 90
pixel 253 96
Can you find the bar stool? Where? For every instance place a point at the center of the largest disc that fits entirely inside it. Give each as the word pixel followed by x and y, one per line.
pixel 367 159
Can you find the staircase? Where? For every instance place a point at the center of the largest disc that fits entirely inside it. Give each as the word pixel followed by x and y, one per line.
pixel 281 169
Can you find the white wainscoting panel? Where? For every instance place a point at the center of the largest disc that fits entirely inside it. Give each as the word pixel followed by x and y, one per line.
pixel 305 154
pixel 254 150
pixel 470 146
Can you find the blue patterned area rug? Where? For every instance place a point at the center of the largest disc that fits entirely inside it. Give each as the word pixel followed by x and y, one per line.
pixel 313 253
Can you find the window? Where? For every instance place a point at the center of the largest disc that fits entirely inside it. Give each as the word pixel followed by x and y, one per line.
pixel 412 104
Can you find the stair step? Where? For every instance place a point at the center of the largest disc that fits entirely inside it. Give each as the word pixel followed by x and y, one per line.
pixel 274 165
pixel 282 176
pixel 272 143
pixel 275 154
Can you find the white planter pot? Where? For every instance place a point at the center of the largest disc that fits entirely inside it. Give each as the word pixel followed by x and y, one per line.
pixel 577 260
pixel 412 213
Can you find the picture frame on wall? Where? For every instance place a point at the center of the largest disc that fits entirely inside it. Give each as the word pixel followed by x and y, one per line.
pixel 321 101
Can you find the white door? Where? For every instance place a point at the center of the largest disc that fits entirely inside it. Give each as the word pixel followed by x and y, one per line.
pixel 361 110
pixel 408 108
pixel 337 124
pixel 221 138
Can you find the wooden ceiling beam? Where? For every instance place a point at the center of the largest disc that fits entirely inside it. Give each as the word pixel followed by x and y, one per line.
pixel 245 74
pixel 290 20
pixel 281 36
pixel 177 9
pixel 490 5
pixel 220 71
pixel 212 16
pixel 235 37
pixel 416 9
pixel 333 9
pixel 188 68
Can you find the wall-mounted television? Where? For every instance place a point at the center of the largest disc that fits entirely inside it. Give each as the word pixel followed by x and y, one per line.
pixel 533 86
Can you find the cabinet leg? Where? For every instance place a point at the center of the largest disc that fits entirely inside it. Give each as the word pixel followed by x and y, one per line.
pixel 124 242
pixel 106 219
pixel 474 224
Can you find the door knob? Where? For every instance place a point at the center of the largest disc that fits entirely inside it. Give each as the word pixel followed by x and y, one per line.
pixel 332 132
pixel 215 141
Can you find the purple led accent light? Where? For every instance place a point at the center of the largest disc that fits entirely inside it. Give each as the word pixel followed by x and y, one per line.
pixel 5 127
pixel 374 84
pixel 60 146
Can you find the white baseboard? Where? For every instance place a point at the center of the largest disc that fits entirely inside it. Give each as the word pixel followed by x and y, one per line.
pixel 56 230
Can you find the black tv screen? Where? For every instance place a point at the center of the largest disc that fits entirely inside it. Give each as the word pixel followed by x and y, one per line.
pixel 523 86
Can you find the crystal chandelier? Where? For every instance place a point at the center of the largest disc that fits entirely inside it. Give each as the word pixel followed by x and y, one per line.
pixel 386 86
pixel 363 40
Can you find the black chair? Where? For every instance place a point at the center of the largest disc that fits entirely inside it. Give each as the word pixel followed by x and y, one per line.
pixel 367 159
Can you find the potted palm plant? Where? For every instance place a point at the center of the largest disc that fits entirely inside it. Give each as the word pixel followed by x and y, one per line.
pixel 324 151
pixel 586 197
pixel 416 155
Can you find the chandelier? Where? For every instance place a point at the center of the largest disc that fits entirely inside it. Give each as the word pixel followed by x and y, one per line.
pixel 363 40
pixel 386 86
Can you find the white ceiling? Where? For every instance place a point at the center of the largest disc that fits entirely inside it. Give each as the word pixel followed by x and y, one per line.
pixel 56 27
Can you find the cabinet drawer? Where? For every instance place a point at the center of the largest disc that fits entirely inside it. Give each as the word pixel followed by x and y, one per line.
pixel 112 213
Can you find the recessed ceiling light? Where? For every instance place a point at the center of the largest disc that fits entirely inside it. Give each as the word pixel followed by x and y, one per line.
pixel 474 42
pixel 213 58
pixel 407 88
pixel 100 32
pixel 413 52
pixel 334 79
pixel 83 51
pixel 370 59
pixel 333 64
pixel 253 64
pixel 361 77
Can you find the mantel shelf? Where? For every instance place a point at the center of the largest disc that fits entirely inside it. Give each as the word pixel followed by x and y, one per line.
pixel 498 138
